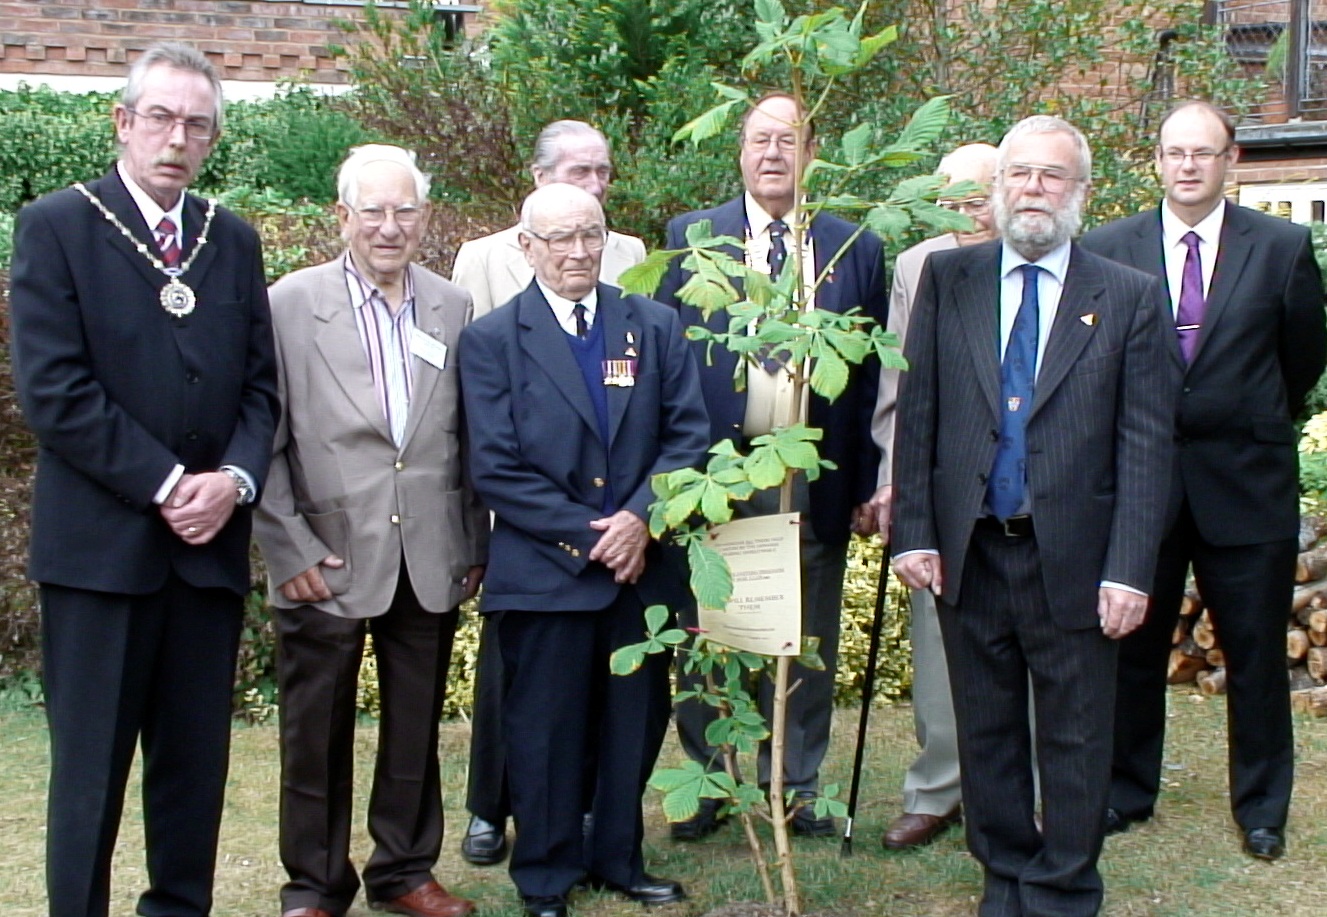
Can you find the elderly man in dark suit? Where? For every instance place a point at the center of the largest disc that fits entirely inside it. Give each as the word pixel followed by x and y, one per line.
pixel 775 141
pixel 143 358
pixel 575 396
pixel 493 270
pixel 1034 438
pixel 1246 306
pixel 368 526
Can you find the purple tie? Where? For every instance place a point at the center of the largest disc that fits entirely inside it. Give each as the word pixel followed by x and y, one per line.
pixel 1193 304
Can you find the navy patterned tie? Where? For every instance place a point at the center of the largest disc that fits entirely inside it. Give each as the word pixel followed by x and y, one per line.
pixel 1006 484
pixel 582 326
pixel 778 249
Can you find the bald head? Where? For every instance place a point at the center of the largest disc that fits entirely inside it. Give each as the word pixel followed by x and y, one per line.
pixel 563 236
pixel 972 162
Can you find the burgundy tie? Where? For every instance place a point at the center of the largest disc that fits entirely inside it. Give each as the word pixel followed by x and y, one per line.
pixel 170 251
pixel 1193 304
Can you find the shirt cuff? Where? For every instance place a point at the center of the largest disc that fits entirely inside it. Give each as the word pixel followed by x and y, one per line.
pixel 168 485
pixel 1108 584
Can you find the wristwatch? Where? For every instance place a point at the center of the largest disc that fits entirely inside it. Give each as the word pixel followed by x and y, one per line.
pixel 243 490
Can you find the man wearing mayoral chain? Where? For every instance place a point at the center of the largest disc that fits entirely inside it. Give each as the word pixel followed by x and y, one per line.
pixel 143 360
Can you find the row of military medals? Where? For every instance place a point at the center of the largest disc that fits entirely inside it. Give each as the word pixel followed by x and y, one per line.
pixel 622 373
pixel 177 298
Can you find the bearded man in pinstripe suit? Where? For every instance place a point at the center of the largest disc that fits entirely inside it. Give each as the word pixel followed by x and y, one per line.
pixel 1034 437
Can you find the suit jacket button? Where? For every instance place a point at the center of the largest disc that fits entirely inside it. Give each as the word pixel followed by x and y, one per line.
pixel 995 436
pixel 981 478
pixel 191 377
pixel 396 520
pixel 598 482
pixel 399 466
pixel 191 435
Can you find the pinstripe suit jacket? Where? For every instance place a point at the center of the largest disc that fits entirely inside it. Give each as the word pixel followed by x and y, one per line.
pixel 1100 434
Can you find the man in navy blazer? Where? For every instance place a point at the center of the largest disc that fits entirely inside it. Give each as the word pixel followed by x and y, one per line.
pixel 153 399
pixel 1030 475
pixel 575 396
pixel 1248 361
pixel 774 144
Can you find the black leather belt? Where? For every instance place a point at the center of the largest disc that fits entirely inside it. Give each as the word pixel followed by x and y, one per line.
pixel 1013 527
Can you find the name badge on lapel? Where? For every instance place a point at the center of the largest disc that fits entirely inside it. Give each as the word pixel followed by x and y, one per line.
pixel 428 349
pixel 621 373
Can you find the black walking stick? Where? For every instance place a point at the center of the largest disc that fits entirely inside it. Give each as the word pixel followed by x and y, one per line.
pixel 868 689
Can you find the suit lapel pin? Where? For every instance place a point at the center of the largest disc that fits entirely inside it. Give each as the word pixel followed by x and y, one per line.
pixel 631 342
pixel 1090 319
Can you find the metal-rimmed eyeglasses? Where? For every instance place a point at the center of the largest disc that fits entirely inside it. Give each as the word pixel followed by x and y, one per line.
pixel 968 205
pixel 1018 174
pixel 406 217
pixel 160 122
pixel 564 243
pixel 1200 157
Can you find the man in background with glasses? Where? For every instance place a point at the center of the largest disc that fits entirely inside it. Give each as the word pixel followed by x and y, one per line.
pixel 931 793
pixel 143 361
pixel 1032 456
pixel 576 395
pixel 1246 309
pixel 368 527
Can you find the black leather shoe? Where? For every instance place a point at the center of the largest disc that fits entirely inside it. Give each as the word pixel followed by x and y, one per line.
pixel 805 823
pixel 1265 843
pixel 649 890
pixel 704 823
pixel 544 906
pixel 484 843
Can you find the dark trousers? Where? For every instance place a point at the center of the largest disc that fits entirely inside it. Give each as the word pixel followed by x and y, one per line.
pixel 561 704
pixel 1246 591
pixel 1000 634
pixel 486 783
pixel 119 670
pixel 318 667
pixel 811 706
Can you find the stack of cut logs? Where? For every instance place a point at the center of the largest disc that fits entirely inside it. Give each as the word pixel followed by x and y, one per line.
pixel 1196 657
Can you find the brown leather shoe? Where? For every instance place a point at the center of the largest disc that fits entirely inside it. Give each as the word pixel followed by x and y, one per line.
pixel 428 900
pixel 307 912
pixel 912 830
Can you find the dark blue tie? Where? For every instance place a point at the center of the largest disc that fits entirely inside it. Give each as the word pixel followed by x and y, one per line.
pixel 1005 486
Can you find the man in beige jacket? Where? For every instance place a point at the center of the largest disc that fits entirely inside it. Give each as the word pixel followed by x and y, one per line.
pixel 493 269
pixel 368 526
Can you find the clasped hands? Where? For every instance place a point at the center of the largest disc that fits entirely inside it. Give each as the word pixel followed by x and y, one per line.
pixel 200 506
pixel 621 547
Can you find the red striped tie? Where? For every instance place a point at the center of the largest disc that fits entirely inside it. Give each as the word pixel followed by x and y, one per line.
pixel 170 251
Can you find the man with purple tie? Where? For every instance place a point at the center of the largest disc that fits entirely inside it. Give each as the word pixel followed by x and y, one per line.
pixel 1247 303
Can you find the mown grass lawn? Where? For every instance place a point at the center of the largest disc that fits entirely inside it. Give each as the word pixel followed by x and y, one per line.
pixel 1186 862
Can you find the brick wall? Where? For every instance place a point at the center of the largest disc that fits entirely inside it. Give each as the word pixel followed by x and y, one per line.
pixel 247 40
